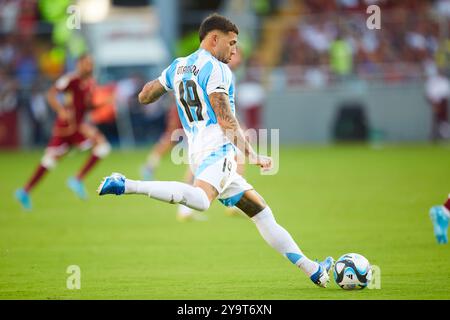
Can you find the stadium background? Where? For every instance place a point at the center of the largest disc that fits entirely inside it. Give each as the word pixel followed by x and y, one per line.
pixel 321 77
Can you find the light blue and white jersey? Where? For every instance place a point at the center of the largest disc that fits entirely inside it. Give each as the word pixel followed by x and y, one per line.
pixel 193 79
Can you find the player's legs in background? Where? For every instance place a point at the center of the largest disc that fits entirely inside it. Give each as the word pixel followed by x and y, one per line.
pixel 163 146
pixel 440 216
pixel 278 238
pixel 48 162
pixel 90 136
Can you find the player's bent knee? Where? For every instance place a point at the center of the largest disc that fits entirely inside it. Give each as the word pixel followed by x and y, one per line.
pixel 251 203
pixel 48 161
pixel 102 150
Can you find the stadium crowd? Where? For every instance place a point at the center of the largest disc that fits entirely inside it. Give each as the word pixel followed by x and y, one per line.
pixel 328 41
pixel 331 40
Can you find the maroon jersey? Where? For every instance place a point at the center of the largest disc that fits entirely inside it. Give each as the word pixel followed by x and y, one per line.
pixel 77 99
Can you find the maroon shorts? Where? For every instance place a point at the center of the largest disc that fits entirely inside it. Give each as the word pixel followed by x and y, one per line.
pixel 60 145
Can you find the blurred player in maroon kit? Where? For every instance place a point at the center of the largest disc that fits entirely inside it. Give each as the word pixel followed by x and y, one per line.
pixel 70 129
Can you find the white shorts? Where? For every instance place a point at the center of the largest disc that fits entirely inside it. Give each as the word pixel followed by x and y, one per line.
pixel 219 170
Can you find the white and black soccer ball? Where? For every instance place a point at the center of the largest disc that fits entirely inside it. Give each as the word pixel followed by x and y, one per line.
pixel 352 271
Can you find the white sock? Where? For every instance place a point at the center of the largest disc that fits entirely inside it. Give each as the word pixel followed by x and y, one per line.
pixel 279 239
pixel 171 192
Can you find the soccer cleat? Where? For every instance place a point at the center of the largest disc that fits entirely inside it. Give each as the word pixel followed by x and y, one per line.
pixel 440 221
pixel 322 276
pixel 114 184
pixel 77 187
pixel 147 173
pixel 24 198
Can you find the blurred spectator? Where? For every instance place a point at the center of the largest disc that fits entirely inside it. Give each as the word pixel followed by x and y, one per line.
pixel 8 92
pixel 341 60
pixel 8 113
pixel 442 7
pixel 7 51
pixel 26 68
pixel 437 90
pixel 42 118
pixel 410 32
pixel 250 93
pixel 9 10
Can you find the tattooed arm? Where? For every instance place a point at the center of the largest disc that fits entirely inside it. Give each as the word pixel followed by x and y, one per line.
pixel 221 104
pixel 151 92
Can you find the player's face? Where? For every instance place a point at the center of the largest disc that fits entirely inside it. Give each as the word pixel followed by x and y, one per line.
pixel 86 66
pixel 226 46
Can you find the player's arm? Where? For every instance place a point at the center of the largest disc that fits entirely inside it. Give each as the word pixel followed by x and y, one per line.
pixel 52 98
pixel 151 92
pixel 226 119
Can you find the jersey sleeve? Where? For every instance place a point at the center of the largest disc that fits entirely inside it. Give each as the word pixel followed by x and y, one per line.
pixel 64 83
pixel 219 80
pixel 167 76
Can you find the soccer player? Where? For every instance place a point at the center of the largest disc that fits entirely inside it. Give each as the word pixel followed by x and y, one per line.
pixel 70 129
pixel 204 91
pixel 165 144
pixel 440 215
pixel 173 122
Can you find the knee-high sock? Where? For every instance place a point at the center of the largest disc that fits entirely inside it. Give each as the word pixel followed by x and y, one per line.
pixel 279 239
pixel 170 191
pixel 36 177
pixel 91 161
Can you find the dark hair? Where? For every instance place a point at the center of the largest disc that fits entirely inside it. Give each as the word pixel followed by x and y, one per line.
pixel 83 56
pixel 216 22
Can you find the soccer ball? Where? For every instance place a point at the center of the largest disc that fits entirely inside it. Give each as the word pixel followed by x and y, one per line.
pixel 352 271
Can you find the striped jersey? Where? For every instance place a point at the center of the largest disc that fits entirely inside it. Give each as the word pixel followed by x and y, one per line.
pixel 192 79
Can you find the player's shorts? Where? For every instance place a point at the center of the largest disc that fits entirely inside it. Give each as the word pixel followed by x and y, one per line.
pixel 219 170
pixel 59 145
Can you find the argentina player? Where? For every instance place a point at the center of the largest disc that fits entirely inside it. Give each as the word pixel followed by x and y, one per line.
pixel 204 91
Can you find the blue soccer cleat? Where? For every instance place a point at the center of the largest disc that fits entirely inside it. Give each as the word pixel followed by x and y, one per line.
pixel 322 276
pixel 114 184
pixel 24 198
pixel 77 187
pixel 440 218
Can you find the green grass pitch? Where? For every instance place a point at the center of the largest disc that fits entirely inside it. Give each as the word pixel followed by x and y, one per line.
pixel 333 200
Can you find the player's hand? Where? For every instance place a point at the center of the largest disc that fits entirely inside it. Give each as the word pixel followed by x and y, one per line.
pixel 264 162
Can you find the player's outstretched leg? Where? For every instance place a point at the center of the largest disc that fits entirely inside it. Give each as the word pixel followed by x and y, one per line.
pixel 279 239
pixel 440 216
pixel 167 191
pixel 185 214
